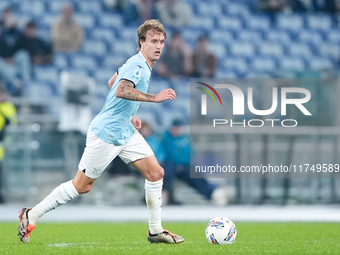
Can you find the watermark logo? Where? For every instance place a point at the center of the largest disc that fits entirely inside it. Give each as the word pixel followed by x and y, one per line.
pixel 204 97
pixel 294 96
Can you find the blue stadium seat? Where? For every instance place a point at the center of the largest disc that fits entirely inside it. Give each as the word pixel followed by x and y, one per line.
pixel 25 18
pixel 3 5
pixel 78 71
pixel 157 85
pixel 83 61
pixel 114 61
pixel 46 73
pixel 291 64
pixel 111 20
pixel 182 105
pixel 209 9
pixel 319 63
pixel 167 119
pixel 97 48
pixel 236 9
pixel 310 36
pixel 33 8
pixel 181 86
pixel 100 92
pixel 39 89
pixel 150 116
pixel 258 22
pixel 230 23
pixel 103 75
pixel 90 6
pixel 218 48
pixel 243 49
pixel 191 35
pixel 151 108
pixel 238 64
pixel 291 22
pixel 104 34
pixel 263 64
pixel 124 47
pixel 129 33
pixel 44 33
pixel 333 35
pixel 300 50
pixel 47 20
pixel 280 36
pixel 221 35
pixel 98 98
pixel 329 50
pixel 87 21
pixel 250 36
pixel 203 22
pixel 55 7
pixel 274 49
pixel 319 22
pixel 61 60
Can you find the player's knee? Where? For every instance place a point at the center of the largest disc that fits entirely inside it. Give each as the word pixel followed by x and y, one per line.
pixel 156 175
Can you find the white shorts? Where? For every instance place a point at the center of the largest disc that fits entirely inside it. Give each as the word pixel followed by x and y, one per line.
pixel 99 154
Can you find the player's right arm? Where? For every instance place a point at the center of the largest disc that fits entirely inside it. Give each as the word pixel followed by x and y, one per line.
pixel 126 89
pixel 112 80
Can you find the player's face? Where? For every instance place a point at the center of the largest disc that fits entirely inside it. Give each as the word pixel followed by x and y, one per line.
pixel 153 45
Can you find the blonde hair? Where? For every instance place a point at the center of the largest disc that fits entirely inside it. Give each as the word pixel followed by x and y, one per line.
pixel 150 24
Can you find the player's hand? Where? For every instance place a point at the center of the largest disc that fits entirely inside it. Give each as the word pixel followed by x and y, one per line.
pixel 136 122
pixel 165 94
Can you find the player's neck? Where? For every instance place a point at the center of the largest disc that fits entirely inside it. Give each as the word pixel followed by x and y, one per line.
pixel 150 63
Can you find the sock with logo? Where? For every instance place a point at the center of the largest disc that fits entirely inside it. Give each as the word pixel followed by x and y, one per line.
pixel 59 196
pixel 153 197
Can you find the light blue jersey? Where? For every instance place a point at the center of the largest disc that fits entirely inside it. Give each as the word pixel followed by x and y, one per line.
pixel 113 123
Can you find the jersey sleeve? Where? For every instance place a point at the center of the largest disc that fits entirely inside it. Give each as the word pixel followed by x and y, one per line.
pixel 133 73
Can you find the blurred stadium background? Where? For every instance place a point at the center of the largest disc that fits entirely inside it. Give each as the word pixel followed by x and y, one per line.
pixel 43 149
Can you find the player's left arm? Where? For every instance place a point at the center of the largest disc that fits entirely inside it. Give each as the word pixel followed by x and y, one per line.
pixel 126 89
pixel 136 122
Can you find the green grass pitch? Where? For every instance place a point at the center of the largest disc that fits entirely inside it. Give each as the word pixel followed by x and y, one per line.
pixel 130 238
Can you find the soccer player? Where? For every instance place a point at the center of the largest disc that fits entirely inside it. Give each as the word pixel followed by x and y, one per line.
pixel 114 132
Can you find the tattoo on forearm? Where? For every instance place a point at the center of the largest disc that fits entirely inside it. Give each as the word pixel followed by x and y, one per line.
pixel 126 92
